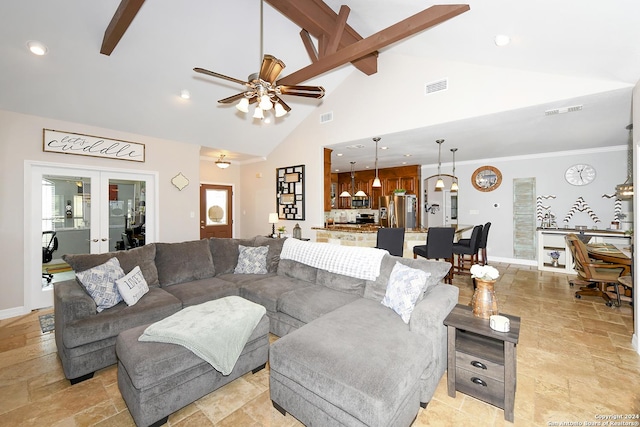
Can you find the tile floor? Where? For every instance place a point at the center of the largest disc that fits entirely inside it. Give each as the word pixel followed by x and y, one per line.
pixel 582 368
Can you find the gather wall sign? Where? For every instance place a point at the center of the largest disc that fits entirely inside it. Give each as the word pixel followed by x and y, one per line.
pixel 88 145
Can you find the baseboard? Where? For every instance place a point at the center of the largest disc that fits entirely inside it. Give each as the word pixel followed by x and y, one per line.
pixel 635 344
pixel 13 312
pixel 531 262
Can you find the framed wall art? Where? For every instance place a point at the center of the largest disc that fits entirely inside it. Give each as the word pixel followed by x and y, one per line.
pixel 55 141
pixel 290 192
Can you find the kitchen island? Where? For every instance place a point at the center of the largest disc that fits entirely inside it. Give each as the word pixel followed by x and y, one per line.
pixel 365 235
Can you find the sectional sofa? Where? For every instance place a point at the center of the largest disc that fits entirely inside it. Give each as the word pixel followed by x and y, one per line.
pixel 343 356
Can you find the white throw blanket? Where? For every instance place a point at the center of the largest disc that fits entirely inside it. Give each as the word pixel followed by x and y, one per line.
pixel 215 331
pixel 363 263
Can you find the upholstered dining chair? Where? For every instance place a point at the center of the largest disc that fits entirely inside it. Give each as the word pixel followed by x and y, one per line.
pixel 439 246
pixel 482 245
pixel 597 276
pixel 470 246
pixel 391 239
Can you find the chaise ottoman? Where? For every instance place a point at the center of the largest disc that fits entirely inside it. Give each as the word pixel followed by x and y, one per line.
pixel 156 379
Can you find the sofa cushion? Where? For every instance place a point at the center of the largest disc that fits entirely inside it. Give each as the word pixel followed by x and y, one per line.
pixel 275 247
pixel 182 262
pixel 267 291
pixel 405 286
pixel 251 260
pixel 100 283
pixel 203 290
pixel 132 286
pixel 297 270
pixel 376 289
pixel 309 303
pixel 143 256
pixel 339 282
pixel 225 252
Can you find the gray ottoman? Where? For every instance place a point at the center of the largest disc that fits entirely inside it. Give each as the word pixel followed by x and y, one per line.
pixel 358 365
pixel 157 379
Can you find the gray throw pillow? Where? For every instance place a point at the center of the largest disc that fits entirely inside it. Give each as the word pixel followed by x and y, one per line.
pixel 100 283
pixel 252 260
pixel 183 262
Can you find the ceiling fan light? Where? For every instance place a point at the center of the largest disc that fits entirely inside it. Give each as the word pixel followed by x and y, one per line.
pixel 258 113
pixel 279 109
pixel 265 103
pixel 243 105
pixel 376 182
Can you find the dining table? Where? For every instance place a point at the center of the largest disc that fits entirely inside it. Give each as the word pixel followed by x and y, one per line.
pixel 608 252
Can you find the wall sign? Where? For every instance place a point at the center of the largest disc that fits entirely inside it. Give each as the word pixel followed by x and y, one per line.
pixel 87 145
pixel 290 196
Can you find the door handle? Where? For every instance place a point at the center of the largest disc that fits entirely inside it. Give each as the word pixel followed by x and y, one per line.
pixel 104 239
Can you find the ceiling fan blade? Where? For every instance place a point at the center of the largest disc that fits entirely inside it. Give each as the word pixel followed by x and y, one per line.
pixel 218 75
pixel 271 68
pixel 284 104
pixel 232 99
pixel 307 91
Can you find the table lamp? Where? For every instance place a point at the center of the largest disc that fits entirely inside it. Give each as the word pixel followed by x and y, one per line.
pixel 273 219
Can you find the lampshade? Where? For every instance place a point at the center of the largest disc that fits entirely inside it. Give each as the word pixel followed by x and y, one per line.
pixel 243 105
pixel 361 193
pixel 376 182
pixel 439 184
pixel 454 185
pixel 258 114
pixel 279 109
pixel 265 103
pixel 222 163
pixel 273 218
pixel 624 191
pixel 345 193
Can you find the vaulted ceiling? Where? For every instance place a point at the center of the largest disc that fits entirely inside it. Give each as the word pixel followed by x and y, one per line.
pixel 136 88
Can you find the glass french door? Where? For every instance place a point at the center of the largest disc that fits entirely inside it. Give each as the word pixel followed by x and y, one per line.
pixel 77 210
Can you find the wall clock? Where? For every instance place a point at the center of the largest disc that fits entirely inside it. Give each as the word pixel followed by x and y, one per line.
pixel 580 174
pixel 486 178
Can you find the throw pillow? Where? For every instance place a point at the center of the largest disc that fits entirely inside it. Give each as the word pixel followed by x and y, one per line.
pixel 100 283
pixel 405 286
pixel 252 260
pixel 132 286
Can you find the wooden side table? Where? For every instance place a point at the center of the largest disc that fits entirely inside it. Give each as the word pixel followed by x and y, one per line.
pixel 481 362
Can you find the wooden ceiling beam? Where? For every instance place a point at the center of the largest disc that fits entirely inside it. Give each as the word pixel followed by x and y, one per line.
pixel 308 45
pixel 403 29
pixel 320 21
pixel 336 34
pixel 119 24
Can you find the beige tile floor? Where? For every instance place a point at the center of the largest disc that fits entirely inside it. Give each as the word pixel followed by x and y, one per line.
pixel 581 368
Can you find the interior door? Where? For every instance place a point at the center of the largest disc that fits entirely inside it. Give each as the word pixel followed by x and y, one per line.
pixel 75 203
pixel 216 209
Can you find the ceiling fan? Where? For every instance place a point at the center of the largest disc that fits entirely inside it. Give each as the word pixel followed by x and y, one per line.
pixel 263 89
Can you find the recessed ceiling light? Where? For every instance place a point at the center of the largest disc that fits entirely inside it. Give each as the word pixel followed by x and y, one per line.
pixel 184 94
pixel 502 40
pixel 37 48
pixel 384 148
pixel 407 155
pixel 339 154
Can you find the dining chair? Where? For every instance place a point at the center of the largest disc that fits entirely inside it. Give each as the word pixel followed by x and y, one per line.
pixel 470 246
pixel 597 276
pixel 482 245
pixel 391 239
pixel 439 246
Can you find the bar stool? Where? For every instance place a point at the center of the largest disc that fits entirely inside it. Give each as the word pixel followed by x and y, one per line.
pixel 439 246
pixel 469 247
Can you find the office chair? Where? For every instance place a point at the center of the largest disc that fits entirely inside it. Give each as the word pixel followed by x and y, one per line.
pixel 391 239
pixel 49 246
pixel 439 246
pixel 595 275
pixel 469 247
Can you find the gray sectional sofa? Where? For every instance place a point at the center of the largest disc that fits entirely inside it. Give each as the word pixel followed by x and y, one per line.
pixel 344 358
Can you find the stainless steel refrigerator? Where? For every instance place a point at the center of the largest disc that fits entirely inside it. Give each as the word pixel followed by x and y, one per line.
pixel 398 211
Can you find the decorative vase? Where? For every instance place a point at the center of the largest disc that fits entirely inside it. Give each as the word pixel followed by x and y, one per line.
pixel 554 262
pixel 484 302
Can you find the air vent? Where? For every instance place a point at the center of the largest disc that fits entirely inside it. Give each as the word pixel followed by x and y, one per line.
pixel 326 117
pixel 355 146
pixel 436 86
pixel 563 110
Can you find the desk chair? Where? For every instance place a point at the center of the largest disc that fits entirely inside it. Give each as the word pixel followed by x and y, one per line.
pixel 49 246
pixel 439 246
pixel 469 247
pixel 597 276
pixel 391 239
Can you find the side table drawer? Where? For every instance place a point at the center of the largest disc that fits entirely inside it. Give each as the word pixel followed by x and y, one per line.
pixel 480 366
pixel 480 387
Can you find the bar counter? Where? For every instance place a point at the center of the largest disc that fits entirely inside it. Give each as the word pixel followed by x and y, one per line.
pixel 365 235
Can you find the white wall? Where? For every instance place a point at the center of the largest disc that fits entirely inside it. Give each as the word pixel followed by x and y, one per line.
pixel 21 140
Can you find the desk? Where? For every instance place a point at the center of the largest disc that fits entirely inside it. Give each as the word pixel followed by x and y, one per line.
pixel 616 254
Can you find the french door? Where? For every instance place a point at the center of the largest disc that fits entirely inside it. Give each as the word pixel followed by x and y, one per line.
pixel 89 210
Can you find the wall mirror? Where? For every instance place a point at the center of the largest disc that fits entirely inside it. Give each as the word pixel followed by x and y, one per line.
pixel 486 178
pixel 440 205
pixel 290 192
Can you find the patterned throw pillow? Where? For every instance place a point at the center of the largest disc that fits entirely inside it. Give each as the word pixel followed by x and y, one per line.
pixel 132 286
pixel 100 282
pixel 405 286
pixel 252 260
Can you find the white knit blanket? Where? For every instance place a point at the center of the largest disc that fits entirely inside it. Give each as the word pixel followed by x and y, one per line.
pixel 363 263
pixel 215 331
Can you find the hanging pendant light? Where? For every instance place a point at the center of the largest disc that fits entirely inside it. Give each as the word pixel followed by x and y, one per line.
pixel 624 191
pixel 439 182
pixel 454 184
pixel 376 180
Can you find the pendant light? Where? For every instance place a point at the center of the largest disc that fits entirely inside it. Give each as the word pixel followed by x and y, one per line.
pixel 345 193
pixel 358 193
pixel 376 180
pixel 624 191
pixel 439 182
pixel 454 184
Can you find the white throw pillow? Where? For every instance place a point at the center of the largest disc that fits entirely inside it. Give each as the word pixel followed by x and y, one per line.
pixel 405 286
pixel 100 282
pixel 252 260
pixel 132 286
